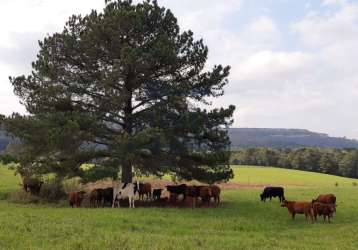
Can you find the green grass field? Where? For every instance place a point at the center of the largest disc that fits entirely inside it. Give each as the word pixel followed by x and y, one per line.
pixel 287 177
pixel 242 222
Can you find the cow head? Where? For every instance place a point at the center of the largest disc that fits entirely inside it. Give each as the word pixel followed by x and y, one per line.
pixel 262 197
pixel 136 187
pixel 284 203
pixel 332 208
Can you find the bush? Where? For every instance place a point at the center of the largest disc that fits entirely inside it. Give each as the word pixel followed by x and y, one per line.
pixel 336 184
pixel 71 185
pixel 354 184
pixel 52 190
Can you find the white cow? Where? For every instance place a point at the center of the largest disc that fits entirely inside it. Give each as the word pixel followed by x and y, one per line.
pixel 125 190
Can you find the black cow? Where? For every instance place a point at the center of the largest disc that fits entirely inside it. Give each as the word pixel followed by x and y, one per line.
pixel 270 192
pixel 107 196
pixel 157 193
pixel 177 190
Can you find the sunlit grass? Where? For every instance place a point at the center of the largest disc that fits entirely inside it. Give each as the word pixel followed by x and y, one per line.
pixel 241 222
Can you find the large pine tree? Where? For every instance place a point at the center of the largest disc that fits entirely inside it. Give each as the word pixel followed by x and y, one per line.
pixel 123 89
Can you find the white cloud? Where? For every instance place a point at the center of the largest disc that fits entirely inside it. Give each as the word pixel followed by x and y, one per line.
pixel 263 33
pixel 322 30
pixel 265 65
pixel 334 2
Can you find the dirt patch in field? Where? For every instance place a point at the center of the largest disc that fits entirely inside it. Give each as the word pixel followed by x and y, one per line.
pixel 162 183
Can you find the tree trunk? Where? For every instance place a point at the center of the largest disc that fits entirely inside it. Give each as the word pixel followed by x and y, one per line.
pixel 128 127
pixel 127 174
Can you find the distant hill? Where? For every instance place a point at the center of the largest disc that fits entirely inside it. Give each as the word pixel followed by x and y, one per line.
pixel 268 137
pixel 285 138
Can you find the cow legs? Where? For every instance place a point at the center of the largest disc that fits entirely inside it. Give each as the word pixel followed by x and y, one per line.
pixel 293 216
pixel 114 201
pixel 310 215
pixel 131 202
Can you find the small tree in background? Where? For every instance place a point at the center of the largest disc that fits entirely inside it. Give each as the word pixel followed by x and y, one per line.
pixel 121 89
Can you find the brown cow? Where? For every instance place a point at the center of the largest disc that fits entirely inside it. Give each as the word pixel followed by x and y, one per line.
pixel 299 207
pixel 76 198
pixel 205 194
pixel 326 210
pixel 191 195
pixel 215 193
pixel 96 197
pixel 326 198
pixel 145 189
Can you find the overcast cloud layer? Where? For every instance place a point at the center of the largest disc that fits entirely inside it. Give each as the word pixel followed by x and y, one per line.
pixel 293 62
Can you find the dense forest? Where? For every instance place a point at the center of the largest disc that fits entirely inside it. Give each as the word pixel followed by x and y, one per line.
pixel 343 162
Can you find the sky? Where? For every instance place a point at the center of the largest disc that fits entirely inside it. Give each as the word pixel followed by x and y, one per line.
pixel 293 63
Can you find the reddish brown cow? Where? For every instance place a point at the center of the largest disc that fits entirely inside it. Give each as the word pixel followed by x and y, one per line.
pixel 326 210
pixel 326 199
pixel 191 195
pixel 205 194
pixel 299 207
pixel 76 198
pixel 96 197
pixel 215 193
pixel 145 189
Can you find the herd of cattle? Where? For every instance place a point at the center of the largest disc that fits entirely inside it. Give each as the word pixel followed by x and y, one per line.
pixel 112 196
pixel 324 204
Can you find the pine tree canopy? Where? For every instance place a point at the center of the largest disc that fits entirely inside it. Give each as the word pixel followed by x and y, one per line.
pixel 124 89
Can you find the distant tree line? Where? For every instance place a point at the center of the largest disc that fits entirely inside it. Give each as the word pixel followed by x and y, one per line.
pixel 343 162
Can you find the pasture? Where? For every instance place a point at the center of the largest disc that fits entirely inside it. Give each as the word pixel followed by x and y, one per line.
pixel 241 222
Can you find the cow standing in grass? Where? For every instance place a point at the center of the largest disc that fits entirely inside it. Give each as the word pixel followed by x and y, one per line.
pixel 270 192
pixel 157 193
pixel 76 198
pixel 205 194
pixel 299 207
pixel 176 190
pixel 107 196
pixel 144 189
pixel 96 197
pixel 126 190
pixel 215 193
pixel 324 209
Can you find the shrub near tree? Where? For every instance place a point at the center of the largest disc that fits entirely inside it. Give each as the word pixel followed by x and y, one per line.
pixel 122 89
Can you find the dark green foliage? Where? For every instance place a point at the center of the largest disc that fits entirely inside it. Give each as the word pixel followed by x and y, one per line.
pixel 342 162
pixel 348 165
pixel 98 172
pixel 6 159
pixel 52 190
pixel 121 88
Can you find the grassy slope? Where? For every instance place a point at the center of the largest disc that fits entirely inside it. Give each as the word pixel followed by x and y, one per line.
pixel 8 181
pixel 289 177
pixel 242 222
